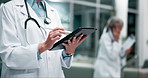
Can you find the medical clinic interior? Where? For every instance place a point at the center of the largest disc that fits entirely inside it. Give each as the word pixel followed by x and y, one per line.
pixel 95 13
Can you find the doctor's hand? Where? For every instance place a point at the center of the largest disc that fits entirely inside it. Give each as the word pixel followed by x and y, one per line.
pixel 54 35
pixel 72 45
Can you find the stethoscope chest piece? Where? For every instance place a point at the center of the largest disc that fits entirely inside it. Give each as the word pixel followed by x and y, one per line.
pixel 47 20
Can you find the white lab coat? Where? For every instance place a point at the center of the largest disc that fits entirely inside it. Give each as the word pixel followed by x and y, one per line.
pixel 107 64
pixel 19 58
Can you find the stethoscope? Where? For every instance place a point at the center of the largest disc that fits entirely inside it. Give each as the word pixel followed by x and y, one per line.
pixel 47 20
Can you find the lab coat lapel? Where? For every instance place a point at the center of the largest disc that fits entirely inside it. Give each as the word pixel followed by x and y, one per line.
pixel 21 4
pixel 49 10
pixel 24 12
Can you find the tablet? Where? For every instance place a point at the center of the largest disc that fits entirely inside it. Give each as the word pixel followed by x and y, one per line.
pixel 77 33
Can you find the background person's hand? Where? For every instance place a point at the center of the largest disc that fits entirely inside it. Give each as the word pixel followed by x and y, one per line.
pixel 116 36
pixel 72 45
pixel 116 32
pixel 54 35
pixel 128 51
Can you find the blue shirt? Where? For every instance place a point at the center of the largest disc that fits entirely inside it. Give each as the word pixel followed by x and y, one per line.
pixel 39 8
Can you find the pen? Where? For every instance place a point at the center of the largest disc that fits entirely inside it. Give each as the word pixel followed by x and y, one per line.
pixel 68 32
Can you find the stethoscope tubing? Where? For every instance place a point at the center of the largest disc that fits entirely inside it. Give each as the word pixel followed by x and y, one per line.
pixel 30 18
pixel 34 20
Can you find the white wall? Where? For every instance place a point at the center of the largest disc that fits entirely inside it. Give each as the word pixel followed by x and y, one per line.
pixel 122 12
pixel 143 31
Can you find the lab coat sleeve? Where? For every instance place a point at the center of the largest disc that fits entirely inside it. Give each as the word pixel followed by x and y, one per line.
pixel 66 61
pixel 112 49
pixel 12 53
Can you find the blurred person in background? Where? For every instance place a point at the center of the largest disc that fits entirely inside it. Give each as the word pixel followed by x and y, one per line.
pixel 110 51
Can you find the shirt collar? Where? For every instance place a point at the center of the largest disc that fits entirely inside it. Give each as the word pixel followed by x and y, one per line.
pixel 31 2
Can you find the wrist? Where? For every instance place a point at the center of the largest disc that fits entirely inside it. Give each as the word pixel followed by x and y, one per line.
pixel 42 47
pixel 65 55
pixel 70 53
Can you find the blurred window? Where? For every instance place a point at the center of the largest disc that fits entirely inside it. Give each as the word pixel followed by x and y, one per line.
pixel 133 4
pixel 107 2
pixel 132 18
pixel 104 16
pixel 4 1
pixel 87 0
pixel 131 30
pixel 63 9
pixel 84 16
pixel 131 23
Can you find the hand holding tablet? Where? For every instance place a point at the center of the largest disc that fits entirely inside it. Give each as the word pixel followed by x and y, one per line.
pixel 76 33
